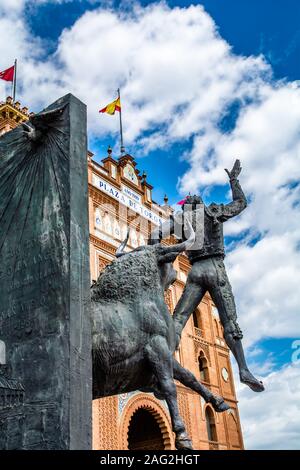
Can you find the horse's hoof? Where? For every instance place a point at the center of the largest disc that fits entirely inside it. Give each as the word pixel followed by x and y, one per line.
pixel 159 396
pixel 183 443
pixel 219 405
pixel 248 379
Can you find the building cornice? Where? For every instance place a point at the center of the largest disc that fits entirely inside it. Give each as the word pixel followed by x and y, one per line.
pixel 103 244
pixel 12 114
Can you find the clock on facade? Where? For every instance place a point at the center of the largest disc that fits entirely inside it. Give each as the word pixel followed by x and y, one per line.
pixel 225 374
pixel 129 174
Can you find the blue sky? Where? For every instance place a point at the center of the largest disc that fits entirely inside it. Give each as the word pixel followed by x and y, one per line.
pixel 201 84
pixel 250 26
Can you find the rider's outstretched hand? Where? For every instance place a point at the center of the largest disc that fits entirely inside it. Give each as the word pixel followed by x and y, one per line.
pixel 234 173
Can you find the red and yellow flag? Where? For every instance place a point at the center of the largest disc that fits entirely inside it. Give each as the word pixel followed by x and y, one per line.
pixel 8 74
pixel 111 108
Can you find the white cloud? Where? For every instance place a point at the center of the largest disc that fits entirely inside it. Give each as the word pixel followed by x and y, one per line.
pixel 13 7
pixel 270 420
pixel 264 276
pixel 172 66
pixel 266 281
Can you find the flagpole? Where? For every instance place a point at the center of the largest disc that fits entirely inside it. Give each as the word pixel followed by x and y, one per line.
pixel 14 82
pixel 121 127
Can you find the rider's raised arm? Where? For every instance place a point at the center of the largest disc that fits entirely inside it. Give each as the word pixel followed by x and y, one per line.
pixel 239 201
pixel 238 204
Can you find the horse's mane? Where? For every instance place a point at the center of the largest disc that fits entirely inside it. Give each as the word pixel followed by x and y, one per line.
pixel 128 276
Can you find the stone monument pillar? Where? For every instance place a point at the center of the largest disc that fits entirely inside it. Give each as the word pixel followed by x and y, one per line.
pixel 45 333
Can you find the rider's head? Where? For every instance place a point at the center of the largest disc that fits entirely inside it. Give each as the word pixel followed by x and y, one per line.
pixel 191 202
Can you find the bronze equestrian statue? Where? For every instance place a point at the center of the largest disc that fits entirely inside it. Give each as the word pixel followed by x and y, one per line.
pixel 133 333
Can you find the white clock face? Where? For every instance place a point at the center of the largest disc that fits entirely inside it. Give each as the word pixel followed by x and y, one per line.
pixel 225 374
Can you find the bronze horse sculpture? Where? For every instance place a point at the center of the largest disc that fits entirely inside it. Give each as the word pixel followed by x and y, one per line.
pixel 133 333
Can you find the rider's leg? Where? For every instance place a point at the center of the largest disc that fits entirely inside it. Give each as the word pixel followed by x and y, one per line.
pixel 223 298
pixel 189 300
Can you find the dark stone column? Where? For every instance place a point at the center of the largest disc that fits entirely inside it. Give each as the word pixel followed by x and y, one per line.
pixel 44 281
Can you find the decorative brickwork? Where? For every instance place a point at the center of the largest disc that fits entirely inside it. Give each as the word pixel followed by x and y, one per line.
pixel 168 300
pixel 183 404
pixel 107 423
pixel 102 263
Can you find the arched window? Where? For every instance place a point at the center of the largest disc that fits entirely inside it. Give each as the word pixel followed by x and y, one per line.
pixel 203 367
pixel 142 240
pixel 133 238
pixel 215 312
pixel 123 231
pixel 117 230
pixel 196 319
pixel 99 219
pixel 233 432
pixel 107 224
pixel 216 327
pixel 2 353
pixel 178 355
pixel 210 425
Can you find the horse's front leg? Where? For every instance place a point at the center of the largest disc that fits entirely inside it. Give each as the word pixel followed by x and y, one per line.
pixel 161 362
pixel 189 380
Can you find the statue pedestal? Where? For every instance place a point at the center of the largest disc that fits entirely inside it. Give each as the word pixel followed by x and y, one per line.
pixel 44 282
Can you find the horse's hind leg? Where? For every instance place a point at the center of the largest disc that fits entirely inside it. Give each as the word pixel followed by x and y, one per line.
pixel 189 380
pixel 161 362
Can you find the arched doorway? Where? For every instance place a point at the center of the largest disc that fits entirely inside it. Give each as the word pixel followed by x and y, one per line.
pixel 144 432
pixel 155 408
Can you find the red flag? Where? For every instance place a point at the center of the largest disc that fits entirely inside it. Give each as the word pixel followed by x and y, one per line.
pixel 180 203
pixel 8 74
pixel 111 108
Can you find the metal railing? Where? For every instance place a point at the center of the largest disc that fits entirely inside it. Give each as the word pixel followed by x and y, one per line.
pixel 213 445
pixel 198 332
